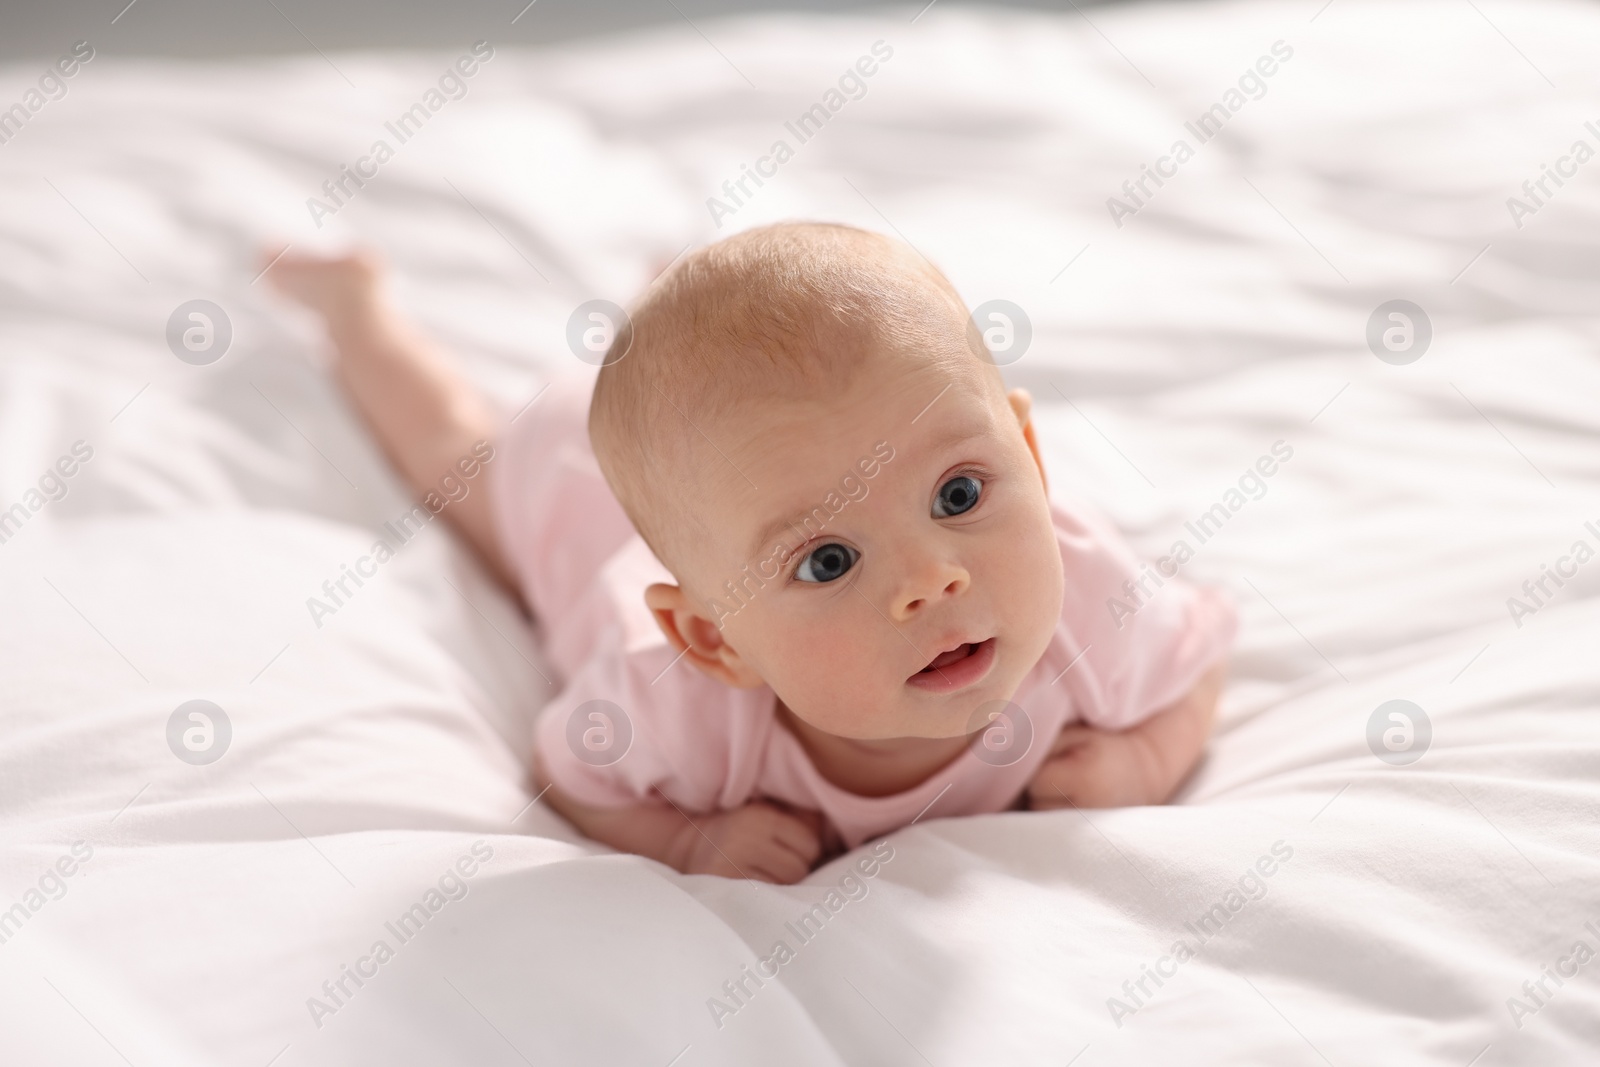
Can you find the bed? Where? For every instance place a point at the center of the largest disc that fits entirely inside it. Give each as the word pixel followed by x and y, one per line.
pixel 1346 886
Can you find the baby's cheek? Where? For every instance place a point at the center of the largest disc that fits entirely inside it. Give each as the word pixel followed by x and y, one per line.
pixel 823 671
pixel 1033 579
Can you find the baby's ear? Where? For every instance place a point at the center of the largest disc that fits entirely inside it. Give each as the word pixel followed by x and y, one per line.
pixel 1022 406
pixel 688 629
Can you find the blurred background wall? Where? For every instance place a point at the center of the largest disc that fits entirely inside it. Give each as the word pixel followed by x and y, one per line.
pixel 199 28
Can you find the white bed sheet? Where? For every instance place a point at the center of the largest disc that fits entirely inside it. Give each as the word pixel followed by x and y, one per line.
pixel 370 754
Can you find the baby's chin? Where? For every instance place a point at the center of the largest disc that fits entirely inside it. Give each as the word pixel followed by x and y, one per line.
pixel 919 715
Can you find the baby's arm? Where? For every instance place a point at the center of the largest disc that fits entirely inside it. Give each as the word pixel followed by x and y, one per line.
pixel 758 841
pixel 424 414
pixel 1145 764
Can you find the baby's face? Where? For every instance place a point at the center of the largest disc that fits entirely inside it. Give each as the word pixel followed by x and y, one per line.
pixel 900 524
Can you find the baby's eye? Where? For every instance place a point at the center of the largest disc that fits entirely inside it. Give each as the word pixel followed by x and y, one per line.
pixel 826 563
pixel 955 496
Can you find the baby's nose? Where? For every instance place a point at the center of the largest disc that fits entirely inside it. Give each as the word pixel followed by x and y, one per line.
pixel 935 581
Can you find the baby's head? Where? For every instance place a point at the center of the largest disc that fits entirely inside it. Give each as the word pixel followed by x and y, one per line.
pixel 809 434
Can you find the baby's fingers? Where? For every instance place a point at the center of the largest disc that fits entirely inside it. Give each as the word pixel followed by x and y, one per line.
pixel 801 832
pixel 1048 789
pixel 1071 737
pixel 772 861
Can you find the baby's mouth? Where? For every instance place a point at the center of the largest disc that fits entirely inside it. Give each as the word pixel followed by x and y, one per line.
pixel 957 667
pixel 944 659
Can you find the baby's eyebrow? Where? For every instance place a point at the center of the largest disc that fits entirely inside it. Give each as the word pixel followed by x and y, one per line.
pixel 772 529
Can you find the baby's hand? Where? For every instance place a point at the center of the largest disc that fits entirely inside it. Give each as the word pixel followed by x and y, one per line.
pixel 1093 768
pixel 759 841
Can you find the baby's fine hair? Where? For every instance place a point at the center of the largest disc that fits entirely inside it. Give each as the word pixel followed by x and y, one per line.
pixel 782 312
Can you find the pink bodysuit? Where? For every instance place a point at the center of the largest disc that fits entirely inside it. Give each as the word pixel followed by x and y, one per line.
pixel 630 725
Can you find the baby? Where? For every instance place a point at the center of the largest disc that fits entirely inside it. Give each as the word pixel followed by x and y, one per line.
pixel 795 562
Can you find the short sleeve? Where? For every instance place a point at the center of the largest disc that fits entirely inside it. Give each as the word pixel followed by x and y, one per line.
pixel 635 722
pixel 1142 635
pixel 590 745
